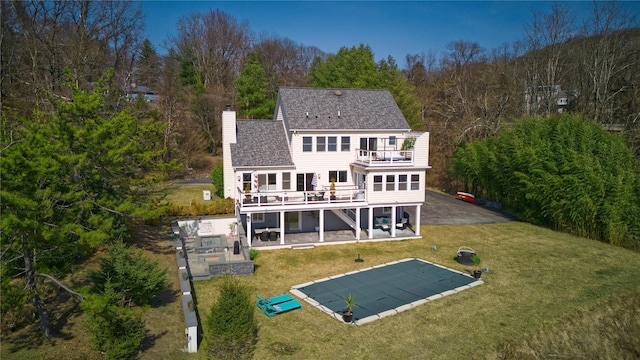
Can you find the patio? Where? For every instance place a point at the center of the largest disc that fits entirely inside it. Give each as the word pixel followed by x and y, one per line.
pixel 304 239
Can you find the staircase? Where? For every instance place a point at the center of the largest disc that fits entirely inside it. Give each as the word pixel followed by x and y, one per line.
pixel 343 214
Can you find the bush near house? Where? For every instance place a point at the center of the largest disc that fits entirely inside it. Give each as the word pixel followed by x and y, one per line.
pixel 217 206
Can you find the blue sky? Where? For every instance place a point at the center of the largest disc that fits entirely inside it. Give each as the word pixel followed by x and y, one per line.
pixel 395 28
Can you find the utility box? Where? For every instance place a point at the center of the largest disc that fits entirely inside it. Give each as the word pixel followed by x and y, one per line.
pixel 206 195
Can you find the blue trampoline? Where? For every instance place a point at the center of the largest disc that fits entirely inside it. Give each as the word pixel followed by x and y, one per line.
pixel 384 290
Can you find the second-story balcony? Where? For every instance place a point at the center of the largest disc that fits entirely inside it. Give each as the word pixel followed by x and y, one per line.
pixel 385 157
pixel 308 199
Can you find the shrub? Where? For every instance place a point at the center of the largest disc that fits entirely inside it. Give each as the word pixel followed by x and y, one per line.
pixel 115 330
pixel 216 207
pixel 134 277
pixel 217 179
pixel 232 328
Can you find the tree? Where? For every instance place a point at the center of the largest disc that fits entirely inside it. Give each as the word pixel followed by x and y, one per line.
pixel 217 179
pixel 564 172
pixel 72 182
pixel 129 274
pixel 148 71
pixel 115 330
pixel 231 325
pixel 216 44
pixel 545 37
pixel 252 96
pixel 355 68
pixel 46 37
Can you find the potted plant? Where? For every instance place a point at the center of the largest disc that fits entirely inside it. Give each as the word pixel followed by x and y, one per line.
pixel 253 254
pixel 347 313
pixel 190 305
pixel 407 144
pixel 476 261
pixel 247 190
pixel 332 189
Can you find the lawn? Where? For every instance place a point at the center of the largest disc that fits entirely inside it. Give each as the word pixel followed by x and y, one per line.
pixel 538 278
pixel 540 283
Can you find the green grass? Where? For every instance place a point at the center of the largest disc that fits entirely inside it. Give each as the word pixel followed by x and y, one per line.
pixel 541 284
pixel 188 194
pixel 537 279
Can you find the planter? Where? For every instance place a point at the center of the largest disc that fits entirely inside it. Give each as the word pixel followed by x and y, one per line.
pixel 347 317
pixel 477 274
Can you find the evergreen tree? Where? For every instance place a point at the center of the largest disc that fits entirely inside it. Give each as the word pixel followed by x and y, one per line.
pixel 117 331
pixel 356 68
pixel 231 325
pixel 252 92
pixel 72 182
pixel 130 275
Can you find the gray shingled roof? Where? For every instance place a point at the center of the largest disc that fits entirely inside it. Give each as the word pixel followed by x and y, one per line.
pixel 260 143
pixel 359 109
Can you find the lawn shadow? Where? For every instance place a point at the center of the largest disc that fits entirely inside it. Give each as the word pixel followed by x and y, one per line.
pixel 165 297
pixel 150 340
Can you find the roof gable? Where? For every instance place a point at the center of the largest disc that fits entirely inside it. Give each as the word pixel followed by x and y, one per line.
pixel 260 143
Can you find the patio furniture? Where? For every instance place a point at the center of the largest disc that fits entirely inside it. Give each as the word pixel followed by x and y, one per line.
pixel 382 222
pixel 402 224
pixel 277 305
pixel 264 235
pixel 273 235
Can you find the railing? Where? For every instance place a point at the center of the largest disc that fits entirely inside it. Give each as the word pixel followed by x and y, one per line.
pixel 344 194
pixel 385 157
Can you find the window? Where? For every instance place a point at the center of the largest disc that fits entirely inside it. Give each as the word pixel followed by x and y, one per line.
pixel 246 181
pixel 391 183
pixel 402 182
pixel 286 181
pixel 339 176
pixel 387 210
pixel 392 141
pixel 345 143
pixel 271 181
pixel 332 143
pixel 321 143
pixel 307 145
pixel 304 182
pixel 415 182
pixel 377 183
pixel 266 182
pixel 257 218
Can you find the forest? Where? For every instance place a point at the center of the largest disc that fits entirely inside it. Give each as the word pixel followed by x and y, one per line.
pixel 80 154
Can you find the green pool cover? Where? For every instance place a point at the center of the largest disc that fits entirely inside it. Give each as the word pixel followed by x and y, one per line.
pixel 385 289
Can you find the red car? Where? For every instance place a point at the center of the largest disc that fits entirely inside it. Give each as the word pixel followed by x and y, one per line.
pixel 466 197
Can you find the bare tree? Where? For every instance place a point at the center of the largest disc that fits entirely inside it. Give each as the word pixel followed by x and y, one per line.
pixel 545 38
pixel 217 43
pixel 86 37
pixel 609 62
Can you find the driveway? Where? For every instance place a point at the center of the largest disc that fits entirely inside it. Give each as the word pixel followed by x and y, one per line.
pixel 444 209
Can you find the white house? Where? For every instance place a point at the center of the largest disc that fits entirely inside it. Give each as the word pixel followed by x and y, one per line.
pixel 280 171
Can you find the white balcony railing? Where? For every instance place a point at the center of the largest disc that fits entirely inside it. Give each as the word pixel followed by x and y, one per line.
pixel 343 194
pixel 384 157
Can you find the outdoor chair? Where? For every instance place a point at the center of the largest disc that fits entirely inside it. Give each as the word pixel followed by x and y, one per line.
pixel 273 235
pixel 264 236
pixel 402 224
pixel 277 305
